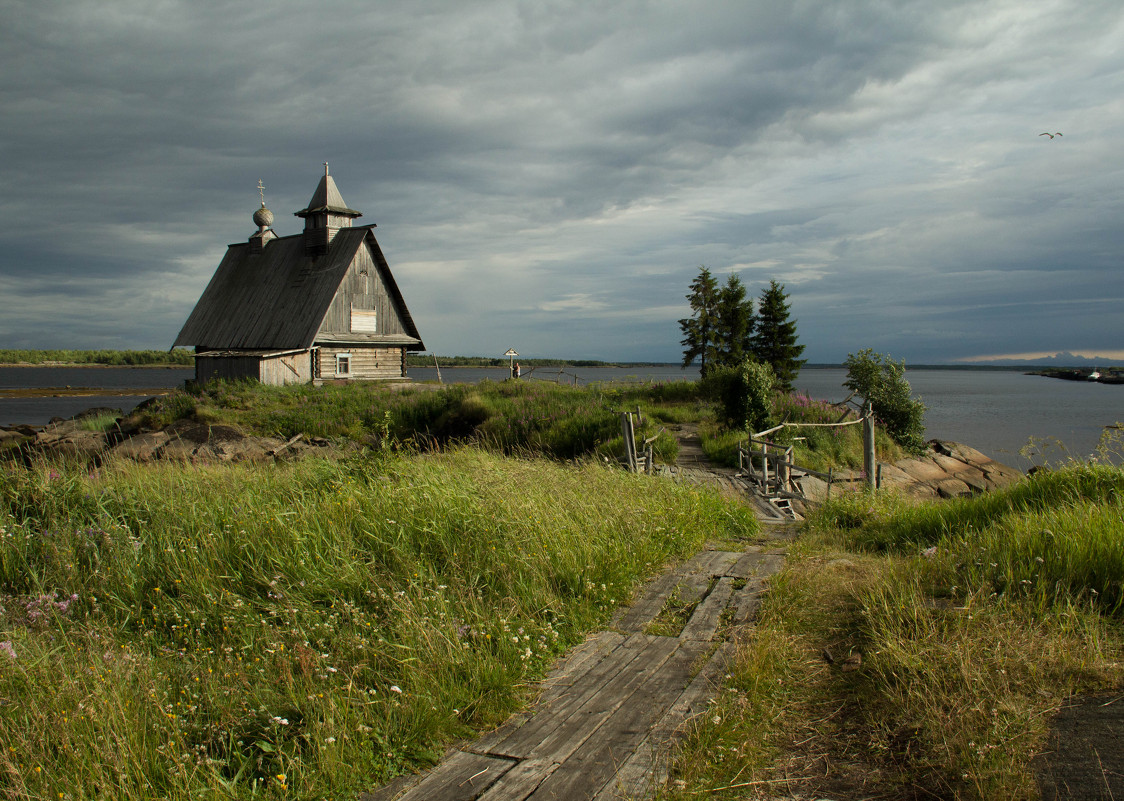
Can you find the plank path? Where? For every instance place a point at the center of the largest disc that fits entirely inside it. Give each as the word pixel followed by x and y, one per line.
pixel 608 713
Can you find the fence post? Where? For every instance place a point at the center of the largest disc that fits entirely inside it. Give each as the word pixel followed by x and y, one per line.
pixel 765 467
pixel 786 474
pixel 629 441
pixel 869 466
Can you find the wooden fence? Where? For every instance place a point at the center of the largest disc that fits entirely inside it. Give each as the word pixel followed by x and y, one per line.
pixel 770 465
pixel 637 459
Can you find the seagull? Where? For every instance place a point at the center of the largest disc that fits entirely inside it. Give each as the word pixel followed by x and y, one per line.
pixel 1051 135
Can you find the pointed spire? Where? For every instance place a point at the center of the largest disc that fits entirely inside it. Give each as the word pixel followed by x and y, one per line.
pixel 325 215
pixel 327 198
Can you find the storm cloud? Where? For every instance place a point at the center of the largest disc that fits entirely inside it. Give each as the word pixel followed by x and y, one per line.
pixel 550 174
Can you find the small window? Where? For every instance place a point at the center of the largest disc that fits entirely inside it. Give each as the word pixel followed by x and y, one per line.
pixel 343 364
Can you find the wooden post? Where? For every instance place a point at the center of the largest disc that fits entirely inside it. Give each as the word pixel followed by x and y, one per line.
pixel 629 441
pixel 786 468
pixel 765 467
pixel 868 446
pixel 651 460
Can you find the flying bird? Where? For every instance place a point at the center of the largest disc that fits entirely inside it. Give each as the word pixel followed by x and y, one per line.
pixel 1051 135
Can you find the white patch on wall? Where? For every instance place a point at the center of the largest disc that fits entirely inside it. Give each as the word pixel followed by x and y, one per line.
pixel 364 321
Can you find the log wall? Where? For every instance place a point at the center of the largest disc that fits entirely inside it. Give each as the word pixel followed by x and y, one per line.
pixel 366 364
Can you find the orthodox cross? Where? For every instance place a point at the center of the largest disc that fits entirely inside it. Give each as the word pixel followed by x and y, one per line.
pixel 261 191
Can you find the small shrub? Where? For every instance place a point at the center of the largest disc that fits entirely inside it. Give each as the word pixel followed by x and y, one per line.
pixel 881 382
pixel 744 394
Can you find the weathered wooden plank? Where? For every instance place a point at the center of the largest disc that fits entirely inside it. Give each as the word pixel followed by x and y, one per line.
pixel 717 563
pixel 461 777
pixel 560 680
pixel 748 601
pixel 646 770
pixel 594 764
pixel 704 621
pixel 651 601
pixel 747 565
pixel 578 662
pixel 521 781
pixel 563 728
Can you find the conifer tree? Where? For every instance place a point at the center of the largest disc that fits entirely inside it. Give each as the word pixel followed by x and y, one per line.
pixel 734 338
pixel 774 341
pixel 699 329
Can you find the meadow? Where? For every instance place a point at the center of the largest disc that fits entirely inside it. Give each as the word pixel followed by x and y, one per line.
pixel 302 630
pixel 552 420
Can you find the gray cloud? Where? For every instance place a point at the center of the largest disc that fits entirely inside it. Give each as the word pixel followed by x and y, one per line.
pixel 551 174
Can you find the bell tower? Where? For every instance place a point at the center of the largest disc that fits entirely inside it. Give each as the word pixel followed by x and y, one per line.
pixel 325 216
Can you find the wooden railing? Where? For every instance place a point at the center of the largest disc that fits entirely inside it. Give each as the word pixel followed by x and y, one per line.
pixel 775 475
pixel 778 481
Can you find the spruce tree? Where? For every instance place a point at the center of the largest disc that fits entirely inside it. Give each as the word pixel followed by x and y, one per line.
pixel 734 338
pixel 774 341
pixel 699 329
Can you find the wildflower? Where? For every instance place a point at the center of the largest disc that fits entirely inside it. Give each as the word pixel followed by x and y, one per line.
pixel 394 688
pixel 7 648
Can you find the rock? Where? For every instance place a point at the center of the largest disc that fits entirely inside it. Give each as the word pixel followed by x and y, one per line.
pixel 920 469
pixel 10 437
pixel 71 441
pixel 952 488
pixel 179 450
pixel 142 447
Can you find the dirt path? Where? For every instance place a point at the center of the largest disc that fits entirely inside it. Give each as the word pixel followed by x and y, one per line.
pixel 609 712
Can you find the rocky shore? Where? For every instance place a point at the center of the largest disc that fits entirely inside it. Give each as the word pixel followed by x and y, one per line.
pixel 946 470
pixel 183 441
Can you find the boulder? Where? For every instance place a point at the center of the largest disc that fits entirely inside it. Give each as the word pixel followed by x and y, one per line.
pixel 144 447
pixel 921 469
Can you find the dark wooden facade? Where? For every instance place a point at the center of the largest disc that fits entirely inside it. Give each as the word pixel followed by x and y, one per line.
pixel 321 305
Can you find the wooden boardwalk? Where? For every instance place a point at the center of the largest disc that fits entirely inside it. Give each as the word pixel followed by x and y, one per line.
pixel 604 724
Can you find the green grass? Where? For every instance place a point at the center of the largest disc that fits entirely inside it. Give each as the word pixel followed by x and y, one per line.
pixel 558 421
pixel 306 629
pixel 99 422
pixel 974 620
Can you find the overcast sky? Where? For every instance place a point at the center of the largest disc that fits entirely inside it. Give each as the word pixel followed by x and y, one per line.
pixel 549 175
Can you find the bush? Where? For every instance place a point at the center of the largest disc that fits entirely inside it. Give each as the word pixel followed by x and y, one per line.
pixel 881 382
pixel 744 394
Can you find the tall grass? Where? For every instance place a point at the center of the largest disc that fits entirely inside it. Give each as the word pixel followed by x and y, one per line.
pixel 970 622
pixel 302 630
pixel 557 421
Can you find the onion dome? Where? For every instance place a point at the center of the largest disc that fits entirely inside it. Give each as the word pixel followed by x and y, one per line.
pixel 263 217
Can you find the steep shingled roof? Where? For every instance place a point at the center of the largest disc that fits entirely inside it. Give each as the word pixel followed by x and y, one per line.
pixel 277 298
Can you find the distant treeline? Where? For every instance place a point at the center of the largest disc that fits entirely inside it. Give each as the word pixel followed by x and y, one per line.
pixel 426 360
pixel 121 358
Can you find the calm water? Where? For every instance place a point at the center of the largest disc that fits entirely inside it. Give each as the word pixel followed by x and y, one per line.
pixel 995 411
